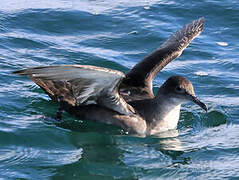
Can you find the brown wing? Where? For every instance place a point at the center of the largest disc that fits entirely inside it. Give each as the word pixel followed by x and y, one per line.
pixel 81 85
pixel 139 80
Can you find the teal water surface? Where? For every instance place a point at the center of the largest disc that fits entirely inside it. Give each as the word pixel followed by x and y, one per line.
pixel 117 34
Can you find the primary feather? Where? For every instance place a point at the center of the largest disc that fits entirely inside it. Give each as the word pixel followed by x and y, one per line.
pixel 81 85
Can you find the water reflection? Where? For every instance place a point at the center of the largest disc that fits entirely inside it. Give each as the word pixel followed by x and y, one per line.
pixel 110 155
pixel 104 162
pixel 169 140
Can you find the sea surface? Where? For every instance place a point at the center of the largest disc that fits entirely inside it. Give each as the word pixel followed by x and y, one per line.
pixel 117 35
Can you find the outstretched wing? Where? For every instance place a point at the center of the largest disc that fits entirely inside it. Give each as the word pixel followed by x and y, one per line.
pixel 143 73
pixel 81 85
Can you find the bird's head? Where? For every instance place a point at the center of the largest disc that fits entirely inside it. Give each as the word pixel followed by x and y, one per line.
pixel 181 89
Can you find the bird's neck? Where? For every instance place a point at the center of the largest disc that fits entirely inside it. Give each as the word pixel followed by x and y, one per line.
pixel 165 115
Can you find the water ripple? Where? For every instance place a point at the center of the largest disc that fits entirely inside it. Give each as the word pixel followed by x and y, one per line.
pixel 13 155
pixel 117 34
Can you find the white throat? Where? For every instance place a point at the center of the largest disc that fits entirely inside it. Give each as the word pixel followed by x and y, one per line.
pixel 167 117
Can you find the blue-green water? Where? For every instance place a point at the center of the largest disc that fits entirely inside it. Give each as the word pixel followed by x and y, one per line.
pixel 117 34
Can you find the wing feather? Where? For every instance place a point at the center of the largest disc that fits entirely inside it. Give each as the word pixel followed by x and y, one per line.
pixel 81 85
pixel 143 73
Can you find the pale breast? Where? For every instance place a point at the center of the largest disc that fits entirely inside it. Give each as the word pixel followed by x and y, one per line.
pixel 167 119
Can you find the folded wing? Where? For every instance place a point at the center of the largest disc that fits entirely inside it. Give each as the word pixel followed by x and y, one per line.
pixel 81 85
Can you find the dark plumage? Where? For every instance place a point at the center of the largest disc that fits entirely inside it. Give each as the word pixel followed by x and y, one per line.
pixel 108 96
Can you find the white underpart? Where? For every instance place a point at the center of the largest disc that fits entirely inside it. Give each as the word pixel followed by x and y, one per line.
pixel 168 117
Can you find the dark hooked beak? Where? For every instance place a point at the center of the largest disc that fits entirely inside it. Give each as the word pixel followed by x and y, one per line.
pixel 198 102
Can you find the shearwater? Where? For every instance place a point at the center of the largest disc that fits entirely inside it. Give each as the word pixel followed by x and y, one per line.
pixel 109 96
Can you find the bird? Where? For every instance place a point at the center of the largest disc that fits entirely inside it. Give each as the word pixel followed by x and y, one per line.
pixel 124 100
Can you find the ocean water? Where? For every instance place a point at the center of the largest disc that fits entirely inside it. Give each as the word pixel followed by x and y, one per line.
pixel 117 35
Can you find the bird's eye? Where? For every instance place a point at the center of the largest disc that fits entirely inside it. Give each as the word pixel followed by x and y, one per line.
pixel 178 89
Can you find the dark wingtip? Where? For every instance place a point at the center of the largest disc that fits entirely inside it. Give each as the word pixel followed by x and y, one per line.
pixel 190 31
pixel 19 72
pixel 199 23
pixel 202 20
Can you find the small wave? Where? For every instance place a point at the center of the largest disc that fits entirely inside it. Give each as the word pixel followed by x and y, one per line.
pixel 201 73
pixel 17 155
pixel 13 155
pixel 222 43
